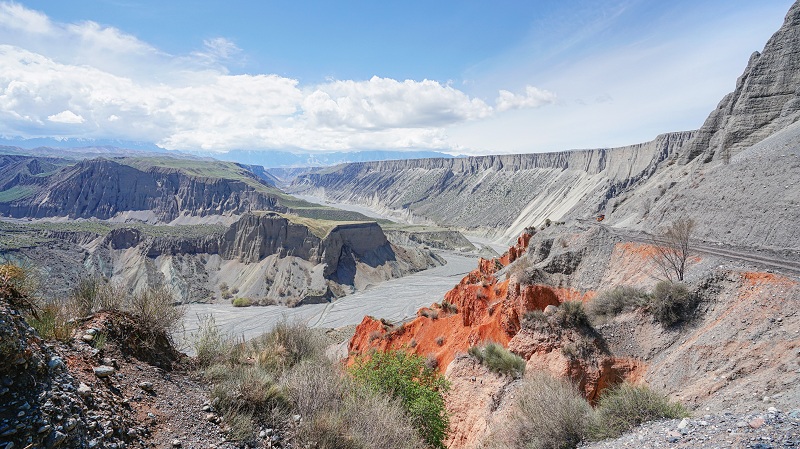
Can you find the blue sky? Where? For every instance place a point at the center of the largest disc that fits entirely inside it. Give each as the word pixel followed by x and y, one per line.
pixel 458 76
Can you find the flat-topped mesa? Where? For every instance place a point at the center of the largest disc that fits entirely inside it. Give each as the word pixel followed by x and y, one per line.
pixel 523 189
pixel 104 189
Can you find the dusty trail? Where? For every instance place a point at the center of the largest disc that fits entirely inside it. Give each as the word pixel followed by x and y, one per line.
pixel 773 261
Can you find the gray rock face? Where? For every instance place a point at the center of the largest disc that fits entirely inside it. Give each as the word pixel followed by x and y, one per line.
pixel 746 197
pixel 102 188
pixel 766 98
pixel 493 193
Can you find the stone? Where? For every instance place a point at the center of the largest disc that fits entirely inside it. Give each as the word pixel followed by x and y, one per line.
pixel 176 443
pixel 55 439
pixel 91 331
pixel 103 371
pixel 684 423
pixel 147 386
pixel 84 390
pixel 55 363
pixel 756 423
pixel 550 309
pixel 87 338
pixel 673 437
pixel 211 417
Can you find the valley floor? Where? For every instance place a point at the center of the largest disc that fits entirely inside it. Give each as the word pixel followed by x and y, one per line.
pixel 396 300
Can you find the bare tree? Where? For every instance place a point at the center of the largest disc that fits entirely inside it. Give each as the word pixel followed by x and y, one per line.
pixel 673 248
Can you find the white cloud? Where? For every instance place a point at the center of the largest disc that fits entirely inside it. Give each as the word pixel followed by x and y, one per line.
pixel 382 103
pixel 532 98
pixel 219 48
pixel 105 83
pixel 68 117
pixel 16 16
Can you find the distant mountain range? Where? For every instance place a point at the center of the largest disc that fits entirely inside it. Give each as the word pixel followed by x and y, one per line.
pixel 91 148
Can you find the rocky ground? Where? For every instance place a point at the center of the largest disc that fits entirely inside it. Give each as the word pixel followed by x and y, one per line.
pixel 770 429
pixel 99 390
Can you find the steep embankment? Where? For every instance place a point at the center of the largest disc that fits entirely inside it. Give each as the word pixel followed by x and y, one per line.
pixel 158 190
pixel 741 168
pixel 520 190
pixel 735 348
pixel 266 257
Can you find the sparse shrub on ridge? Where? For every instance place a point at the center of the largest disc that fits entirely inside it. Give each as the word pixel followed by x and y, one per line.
pixel 155 310
pixel 671 303
pixel 242 302
pixel 430 313
pixel 612 302
pixel 53 321
pixel 548 413
pixel 498 359
pixel 626 406
pixel 572 313
pixel 449 308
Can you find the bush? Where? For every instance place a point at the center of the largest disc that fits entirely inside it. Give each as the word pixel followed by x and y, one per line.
pixel 339 414
pixel 430 313
pixel 91 295
pixel 362 420
pixel 449 308
pixel 53 322
pixel 534 318
pixel 286 345
pixel 626 406
pixel 242 302
pixel 242 392
pixel 17 287
pixel 419 389
pixel 613 302
pixel 549 413
pixel 499 359
pixel 670 303
pixel 155 310
pixel 210 344
pixel 572 313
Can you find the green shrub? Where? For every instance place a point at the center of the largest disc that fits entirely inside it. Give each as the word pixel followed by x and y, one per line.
pixel 242 302
pixel 419 389
pixel 670 303
pixel 499 359
pixel 615 301
pixel 548 413
pixel 626 406
pixel 572 314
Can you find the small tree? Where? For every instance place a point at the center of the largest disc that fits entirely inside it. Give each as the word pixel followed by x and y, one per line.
pixel 673 248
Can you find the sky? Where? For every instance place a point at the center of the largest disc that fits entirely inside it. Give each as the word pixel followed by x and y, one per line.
pixel 463 77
